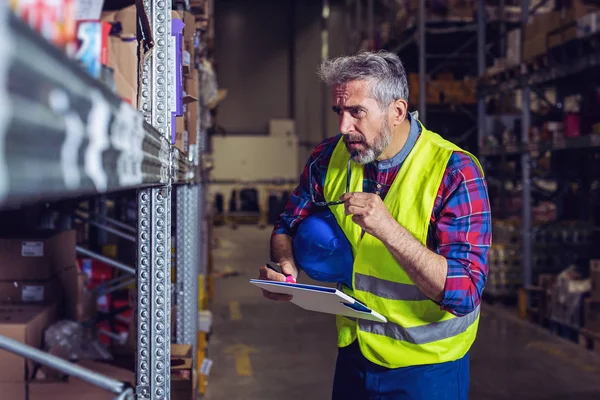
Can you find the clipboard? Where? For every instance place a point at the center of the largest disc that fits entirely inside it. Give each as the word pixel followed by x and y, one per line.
pixel 321 299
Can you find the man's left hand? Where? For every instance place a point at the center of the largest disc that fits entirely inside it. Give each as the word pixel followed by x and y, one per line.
pixel 370 213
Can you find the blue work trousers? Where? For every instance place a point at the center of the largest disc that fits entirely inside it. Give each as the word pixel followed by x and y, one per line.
pixel 356 378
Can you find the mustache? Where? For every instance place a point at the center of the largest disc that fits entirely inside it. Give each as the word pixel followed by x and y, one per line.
pixel 354 138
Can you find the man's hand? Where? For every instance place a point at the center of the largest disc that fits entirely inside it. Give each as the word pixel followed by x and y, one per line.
pixel 370 213
pixel 266 273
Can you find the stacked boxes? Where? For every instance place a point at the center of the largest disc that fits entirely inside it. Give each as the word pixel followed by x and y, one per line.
pixel 39 282
pixel 443 90
pixel 185 114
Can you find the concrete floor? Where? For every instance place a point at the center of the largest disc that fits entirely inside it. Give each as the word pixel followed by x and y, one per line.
pixel 264 350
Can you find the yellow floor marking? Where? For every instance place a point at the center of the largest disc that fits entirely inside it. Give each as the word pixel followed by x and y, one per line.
pixel 235 313
pixel 242 352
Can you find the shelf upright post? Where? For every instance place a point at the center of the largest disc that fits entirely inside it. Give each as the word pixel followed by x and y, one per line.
pixel 526 161
pixel 154 222
pixel 348 27
pixel 186 265
pixel 370 23
pixel 359 25
pixel 422 66
pixel 480 70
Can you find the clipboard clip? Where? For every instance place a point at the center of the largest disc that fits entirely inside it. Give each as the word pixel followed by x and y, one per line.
pixel 277 268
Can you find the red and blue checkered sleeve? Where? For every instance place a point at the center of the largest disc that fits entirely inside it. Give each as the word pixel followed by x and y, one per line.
pixel 300 205
pixel 463 233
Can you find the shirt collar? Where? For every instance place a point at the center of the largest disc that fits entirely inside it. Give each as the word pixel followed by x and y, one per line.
pixel 413 135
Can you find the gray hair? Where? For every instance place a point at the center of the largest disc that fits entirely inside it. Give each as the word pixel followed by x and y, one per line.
pixel 383 70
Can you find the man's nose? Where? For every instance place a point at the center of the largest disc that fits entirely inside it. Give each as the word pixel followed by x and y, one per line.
pixel 346 124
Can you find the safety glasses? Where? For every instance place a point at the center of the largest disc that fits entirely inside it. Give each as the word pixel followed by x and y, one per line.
pixel 312 189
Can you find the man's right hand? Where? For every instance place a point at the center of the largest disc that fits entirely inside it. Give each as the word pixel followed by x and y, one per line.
pixel 267 273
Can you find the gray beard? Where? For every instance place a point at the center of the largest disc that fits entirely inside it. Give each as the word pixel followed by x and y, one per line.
pixel 370 154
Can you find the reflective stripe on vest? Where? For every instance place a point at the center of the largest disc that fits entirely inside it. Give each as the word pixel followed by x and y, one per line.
pixel 421 334
pixel 388 289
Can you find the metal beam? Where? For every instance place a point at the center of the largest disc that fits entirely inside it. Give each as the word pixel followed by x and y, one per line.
pixel 109 229
pixel 85 214
pixel 106 260
pixel 370 22
pixel 526 164
pixel 481 64
pixel 358 21
pixel 422 66
pixel 111 385
pixel 119 286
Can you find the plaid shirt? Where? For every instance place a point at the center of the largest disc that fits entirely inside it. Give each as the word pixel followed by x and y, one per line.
pixel 460 226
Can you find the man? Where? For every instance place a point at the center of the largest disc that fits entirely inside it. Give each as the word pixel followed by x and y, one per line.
pixel 418 218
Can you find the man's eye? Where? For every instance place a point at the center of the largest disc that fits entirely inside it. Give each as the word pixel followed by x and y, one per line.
pixel 358 113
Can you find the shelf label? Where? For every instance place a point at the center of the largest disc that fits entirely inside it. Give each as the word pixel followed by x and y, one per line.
pixel 98 124
pixel 206 366
pixel 32 293
pixel 32 249
pixel 127 136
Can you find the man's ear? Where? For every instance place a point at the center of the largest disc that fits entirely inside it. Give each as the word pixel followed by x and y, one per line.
pixel 399 111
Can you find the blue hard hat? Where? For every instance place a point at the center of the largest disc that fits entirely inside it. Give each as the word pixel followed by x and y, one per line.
pixel 322 250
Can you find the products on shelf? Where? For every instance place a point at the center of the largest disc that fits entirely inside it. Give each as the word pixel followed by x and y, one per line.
pixel 554 248
pixel 444 90
pixel 122 51
pixel 568 293
pixel 53 19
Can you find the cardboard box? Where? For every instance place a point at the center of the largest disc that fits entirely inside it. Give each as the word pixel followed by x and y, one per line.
pixel 38 257
pixel 191 84
pixel 190 26
pixel 34 291
pixel 126 16
pixel 182 384
pixel 181 139
pixel 513 49
pixel 75 389
pixel 191 120
pixel 26 324
pixel 13 391
pixel 123 59
pixel 181 350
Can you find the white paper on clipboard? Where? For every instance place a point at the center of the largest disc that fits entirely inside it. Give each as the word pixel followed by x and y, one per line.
pixel 321 299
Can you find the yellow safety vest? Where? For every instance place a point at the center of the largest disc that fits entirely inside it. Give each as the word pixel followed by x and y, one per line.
pixel 417 332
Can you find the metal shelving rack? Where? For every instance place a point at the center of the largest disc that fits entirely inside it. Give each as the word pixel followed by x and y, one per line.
pixel 528 81
pixel 423 45
pixel 64 135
